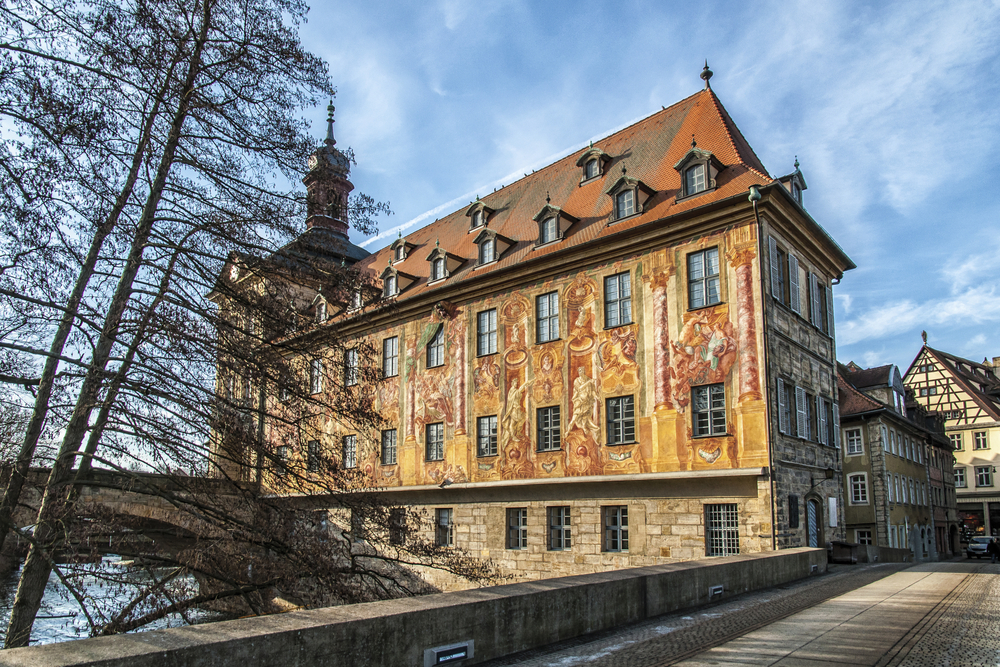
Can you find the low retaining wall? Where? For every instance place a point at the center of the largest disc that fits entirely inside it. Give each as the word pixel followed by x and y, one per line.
pixel 500 620
pixel 868 553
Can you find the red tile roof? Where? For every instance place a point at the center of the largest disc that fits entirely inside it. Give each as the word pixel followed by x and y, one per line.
pixel 649 149
pixel 851 400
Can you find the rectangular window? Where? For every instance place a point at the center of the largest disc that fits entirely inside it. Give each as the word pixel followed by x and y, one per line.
pixel 486 332
pixel 548 429
pixel 486 435
pixel 722 530
pixel 863 536
pixel 390 357
pixel 984 475
pixel 960 477
pixel 486 251
pixel 854 443
pixel 547 317
pixel 350 447
pixel 350 367
pixel 621 420
pixel 793 511
pixel 517 528
pixel 979 440
pixel 397 525
pixel 956 441
pixel 703 278
pixel 281 460
pixel 315 376
pixel 559 528
pixel 709 412
pixel 858 485
pixel 615 528
pixel 444 529
pixel 617 300
pixel 389 447
pixel 435 349
pixel 625 203
pixel 434 443
pixel 312 460
pixel 801 413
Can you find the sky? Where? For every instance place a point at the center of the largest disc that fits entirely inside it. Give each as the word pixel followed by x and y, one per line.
pixel 891 108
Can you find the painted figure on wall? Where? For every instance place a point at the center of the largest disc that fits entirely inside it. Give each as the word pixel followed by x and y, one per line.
pixel 619 371
pixel 583 432
pixel 548 382
pixel 703 354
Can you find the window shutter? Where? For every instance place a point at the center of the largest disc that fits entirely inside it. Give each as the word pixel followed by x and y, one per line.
pixel 795 302
pixel 836 425
pixel 829 310
pixel 813 300
pixel 821 412
pixel 801 413
pixel 775 269
pixel 782 408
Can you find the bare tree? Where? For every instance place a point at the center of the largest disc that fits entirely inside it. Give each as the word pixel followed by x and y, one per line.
pixel 154 141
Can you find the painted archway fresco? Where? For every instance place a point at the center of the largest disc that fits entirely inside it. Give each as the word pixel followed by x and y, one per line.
pixel 657 359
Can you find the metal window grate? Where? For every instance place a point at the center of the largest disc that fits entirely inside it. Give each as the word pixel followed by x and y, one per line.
pixel 722 529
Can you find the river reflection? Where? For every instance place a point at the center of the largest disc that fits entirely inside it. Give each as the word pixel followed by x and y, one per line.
pixel 60 618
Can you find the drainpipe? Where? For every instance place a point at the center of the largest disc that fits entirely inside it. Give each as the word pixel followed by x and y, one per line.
pixel 754 198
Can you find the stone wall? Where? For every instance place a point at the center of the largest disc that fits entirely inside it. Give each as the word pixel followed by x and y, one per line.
pixel 499 621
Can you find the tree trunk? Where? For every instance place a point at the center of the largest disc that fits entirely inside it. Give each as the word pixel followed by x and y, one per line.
pixel 55 500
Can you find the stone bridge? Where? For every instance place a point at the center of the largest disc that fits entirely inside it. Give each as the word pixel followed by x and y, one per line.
pixel 161 507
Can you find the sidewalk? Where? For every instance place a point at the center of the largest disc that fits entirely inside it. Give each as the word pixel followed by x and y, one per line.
pixel 932 614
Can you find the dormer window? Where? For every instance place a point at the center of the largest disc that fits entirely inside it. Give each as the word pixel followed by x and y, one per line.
pixel 797 192
pixel 629 196
pixel 394 282
pixel 390 285
pixel 321 312
pixel 491 246
pixel 593 160
pixel 437 269
pixel 553 223
pixel 698 169
pixel 356 299
pixel 487 251
pixel 443 264
pixel 694 180
pixel 479 215
pixel 548 230
pixel 624 204
pixel 795 183
pixel 400 249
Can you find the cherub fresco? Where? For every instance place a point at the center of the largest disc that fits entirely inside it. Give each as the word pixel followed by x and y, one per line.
pixel 548 382
pixel 703 354
pixel 388 398
pixel 441 472
pixel 486 380
pixel 617 356
pixel 434 400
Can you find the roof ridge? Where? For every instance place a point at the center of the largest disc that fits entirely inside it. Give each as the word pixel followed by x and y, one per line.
pixel 860 394
pixel 729 124
pixel 977 395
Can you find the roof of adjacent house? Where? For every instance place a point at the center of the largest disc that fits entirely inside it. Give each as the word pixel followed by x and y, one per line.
pixel 851 399
pixel 648 150
pixel 879 376
pixel 978 380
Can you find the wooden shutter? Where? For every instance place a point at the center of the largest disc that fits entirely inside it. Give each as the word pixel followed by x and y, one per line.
pixel 829 310
pixel 835 409
pixel 801 413
pixel 775 269
pixel 795 300
pixel 814 316
pixel 782 408
pixel 821 419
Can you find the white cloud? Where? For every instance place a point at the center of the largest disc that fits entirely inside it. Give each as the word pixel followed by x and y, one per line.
pixel 975 305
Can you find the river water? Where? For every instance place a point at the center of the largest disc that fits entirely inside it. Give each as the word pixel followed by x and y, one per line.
pixel 60 618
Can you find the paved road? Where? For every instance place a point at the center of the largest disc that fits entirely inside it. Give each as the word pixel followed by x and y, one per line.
pixel 889 614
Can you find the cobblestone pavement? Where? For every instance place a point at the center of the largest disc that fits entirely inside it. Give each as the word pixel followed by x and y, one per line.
pixel 667 639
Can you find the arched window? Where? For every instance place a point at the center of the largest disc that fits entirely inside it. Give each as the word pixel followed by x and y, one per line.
pixel 400 253
pixel 390 286
pixel 437 268
pixel 487 251
pixel 477 219
pixel 591 168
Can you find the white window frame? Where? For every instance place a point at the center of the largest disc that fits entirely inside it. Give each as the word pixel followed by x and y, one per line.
pixel 980 440
pixel 390 356
pixel 857 484
pixel 855 441
pixel 961 482
pixel 315 376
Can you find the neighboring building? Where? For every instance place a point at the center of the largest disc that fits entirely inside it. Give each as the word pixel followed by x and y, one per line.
pixel 968 395
pixel 575 369
pixel 897 466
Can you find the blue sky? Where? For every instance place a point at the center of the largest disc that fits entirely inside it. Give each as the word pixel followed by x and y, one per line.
pixel 891 108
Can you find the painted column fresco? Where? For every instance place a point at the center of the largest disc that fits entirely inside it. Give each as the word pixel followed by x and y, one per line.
pixel 661 337
pixel 583 456
pixel 516 452
pixel 741 258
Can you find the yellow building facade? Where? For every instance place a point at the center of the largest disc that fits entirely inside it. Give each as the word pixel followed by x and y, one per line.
pixel 587 369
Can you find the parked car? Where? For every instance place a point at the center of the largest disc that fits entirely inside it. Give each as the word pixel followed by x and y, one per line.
pixel 977 547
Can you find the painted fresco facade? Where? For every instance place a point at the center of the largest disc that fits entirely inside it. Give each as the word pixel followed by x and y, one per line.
pixel 602 390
